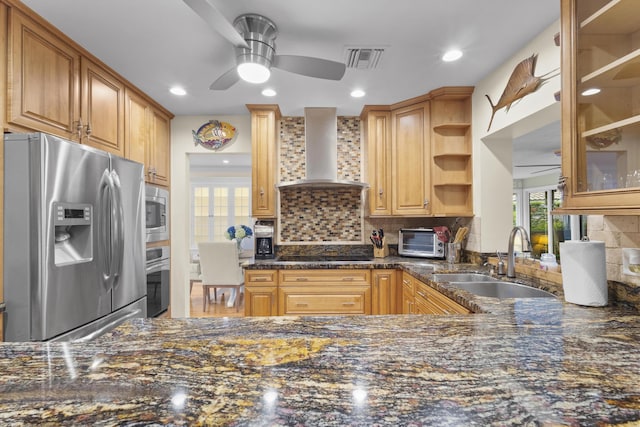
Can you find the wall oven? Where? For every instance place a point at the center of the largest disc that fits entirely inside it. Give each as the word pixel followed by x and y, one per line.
pixel 157 213
pixel 158 279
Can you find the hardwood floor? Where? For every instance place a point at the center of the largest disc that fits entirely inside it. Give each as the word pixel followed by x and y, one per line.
pixel 214 308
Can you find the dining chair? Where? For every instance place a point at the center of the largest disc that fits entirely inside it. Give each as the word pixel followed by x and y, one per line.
pixel 220 269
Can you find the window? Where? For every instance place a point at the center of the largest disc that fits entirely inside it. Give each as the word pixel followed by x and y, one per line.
pixel 218 203
pixel 546 231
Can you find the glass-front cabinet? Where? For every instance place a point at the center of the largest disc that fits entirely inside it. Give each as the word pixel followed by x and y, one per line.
pixel 601 106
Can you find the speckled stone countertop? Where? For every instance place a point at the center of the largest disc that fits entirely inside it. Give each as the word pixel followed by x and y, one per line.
pixel 535 361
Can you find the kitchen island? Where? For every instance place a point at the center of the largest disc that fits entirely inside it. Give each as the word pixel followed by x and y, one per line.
pixel 520 361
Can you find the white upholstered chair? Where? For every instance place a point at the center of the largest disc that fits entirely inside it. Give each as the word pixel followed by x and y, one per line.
pixel 220 269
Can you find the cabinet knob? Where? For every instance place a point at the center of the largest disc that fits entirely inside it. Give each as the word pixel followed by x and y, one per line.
pixel 426 202
pixel 380 192
pixel 261 191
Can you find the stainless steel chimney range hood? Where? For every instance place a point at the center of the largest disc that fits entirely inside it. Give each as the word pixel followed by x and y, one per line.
pixel 321 150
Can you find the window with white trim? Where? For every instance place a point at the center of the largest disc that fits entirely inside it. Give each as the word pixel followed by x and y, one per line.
pixel 217 204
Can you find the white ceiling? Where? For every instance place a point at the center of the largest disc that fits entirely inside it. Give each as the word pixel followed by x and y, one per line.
pixel 156 44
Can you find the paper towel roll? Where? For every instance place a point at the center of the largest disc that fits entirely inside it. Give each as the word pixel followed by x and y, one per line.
pixel 584 272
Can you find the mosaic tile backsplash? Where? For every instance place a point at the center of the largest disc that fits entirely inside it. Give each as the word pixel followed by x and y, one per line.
pixel 320 215
pixel 313 214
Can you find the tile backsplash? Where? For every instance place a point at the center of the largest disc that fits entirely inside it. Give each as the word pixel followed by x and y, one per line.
pixel 320 215
pixel 314 214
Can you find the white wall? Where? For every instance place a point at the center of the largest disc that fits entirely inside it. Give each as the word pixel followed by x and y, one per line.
pixel 181 146
pixel 492 151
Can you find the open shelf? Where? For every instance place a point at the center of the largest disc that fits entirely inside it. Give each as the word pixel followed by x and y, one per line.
pixel 445 126
pixel 616 17
pixel 623 72
pixel 620 123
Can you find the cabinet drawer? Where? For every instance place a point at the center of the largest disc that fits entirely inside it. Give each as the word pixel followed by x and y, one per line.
pixel 302 300
pixel 260 277
pixel 324 277
pixel 408 284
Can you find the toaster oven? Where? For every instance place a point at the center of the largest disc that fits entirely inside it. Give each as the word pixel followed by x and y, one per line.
pixel 420 242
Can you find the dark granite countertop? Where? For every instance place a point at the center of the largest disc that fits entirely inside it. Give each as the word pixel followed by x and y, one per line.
pixel 535 361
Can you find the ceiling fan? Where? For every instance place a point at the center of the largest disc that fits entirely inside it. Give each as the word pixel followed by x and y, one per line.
pixel 253 37
pixel 548 167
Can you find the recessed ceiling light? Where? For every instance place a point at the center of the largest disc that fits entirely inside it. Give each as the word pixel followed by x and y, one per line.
pixel 452 55
pixel 225 161
pixel 177 90
pixel 591 91
pixel 269 92
pixel 358 93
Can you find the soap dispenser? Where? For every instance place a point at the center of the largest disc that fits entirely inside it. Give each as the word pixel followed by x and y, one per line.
pixel 501 270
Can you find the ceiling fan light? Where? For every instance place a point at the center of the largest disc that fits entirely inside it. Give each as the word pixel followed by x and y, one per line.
pixel 253 73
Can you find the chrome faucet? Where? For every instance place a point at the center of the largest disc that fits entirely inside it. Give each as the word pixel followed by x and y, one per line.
pixel 511 257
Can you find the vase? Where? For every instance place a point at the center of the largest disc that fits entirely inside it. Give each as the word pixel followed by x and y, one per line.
pixel 239 243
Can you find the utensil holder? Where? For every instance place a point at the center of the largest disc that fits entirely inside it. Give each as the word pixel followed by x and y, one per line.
pixel 453 252
pixel 383 251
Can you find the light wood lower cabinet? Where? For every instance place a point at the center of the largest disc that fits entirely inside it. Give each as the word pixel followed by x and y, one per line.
pixel 430 301
pixel 261 293
pixel 420 298
pixel 324 292
pixel 384 292
pixel 408 294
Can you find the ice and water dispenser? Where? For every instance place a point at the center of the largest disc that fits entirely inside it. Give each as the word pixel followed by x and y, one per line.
pixel 73 235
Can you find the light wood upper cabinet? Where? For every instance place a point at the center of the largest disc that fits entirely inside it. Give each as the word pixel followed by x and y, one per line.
pixel 136 127
pixel 43 78
pixel 102 118
pixel 159 148
pixel 601 132
pixel 376 128
pixel 264 159
pixel 147 136
pixel 418 155
pixel 410 161
pixel 451 149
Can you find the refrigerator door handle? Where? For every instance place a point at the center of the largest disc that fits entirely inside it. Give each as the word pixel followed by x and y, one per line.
pixel 106 251
pixel 117 238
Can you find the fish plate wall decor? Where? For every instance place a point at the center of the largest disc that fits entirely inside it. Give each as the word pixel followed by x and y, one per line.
pixel 214 134
pixel 521 83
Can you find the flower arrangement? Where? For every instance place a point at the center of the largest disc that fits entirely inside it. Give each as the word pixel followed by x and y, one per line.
pixel 238 232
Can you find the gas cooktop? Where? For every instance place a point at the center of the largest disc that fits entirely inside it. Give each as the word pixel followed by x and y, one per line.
pixel 323 258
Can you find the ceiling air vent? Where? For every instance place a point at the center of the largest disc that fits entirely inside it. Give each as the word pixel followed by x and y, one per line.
pixel 363 58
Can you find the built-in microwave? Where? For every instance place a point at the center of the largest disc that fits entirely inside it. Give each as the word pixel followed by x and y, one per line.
pixel 156 213
pixel 420 242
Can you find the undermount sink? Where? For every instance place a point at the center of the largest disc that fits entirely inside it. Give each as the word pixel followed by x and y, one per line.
pixel 487 286
pixel 463 277
pixel 498 289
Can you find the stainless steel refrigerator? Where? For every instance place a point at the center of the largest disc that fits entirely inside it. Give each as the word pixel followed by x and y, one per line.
pixel 74 239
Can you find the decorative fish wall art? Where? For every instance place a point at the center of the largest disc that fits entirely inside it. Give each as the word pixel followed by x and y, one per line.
pixel 214 134
pixel 521 83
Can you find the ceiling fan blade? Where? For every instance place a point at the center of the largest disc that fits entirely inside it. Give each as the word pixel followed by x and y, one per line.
pixel 218 23
pixel 308 66
pixel 546 170
pixel 226 80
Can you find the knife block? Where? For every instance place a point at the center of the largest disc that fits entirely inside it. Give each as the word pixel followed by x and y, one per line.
pixel 383 251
